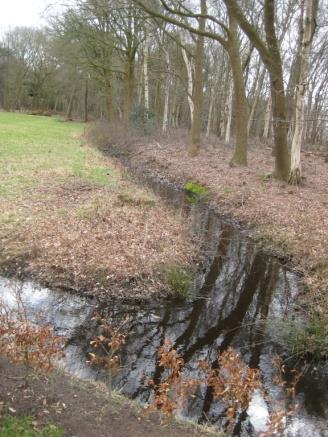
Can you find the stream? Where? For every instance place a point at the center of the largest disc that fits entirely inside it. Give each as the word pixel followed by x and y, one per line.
pixel 237 300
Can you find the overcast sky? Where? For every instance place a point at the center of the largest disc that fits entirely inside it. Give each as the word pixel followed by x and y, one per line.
pixel 21 13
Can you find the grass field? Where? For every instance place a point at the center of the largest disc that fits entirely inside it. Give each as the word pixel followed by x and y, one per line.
pixel 72 218
pixel 32 148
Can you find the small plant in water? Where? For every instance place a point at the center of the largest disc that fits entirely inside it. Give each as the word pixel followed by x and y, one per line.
pixel 195 191
pixel 179 280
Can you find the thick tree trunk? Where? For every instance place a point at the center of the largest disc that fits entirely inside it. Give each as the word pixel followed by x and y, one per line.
pixel 308 31
pixel 240 153
pixel 278 97
pixel 198 87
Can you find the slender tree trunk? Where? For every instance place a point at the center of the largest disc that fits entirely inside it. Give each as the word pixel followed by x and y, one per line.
pixel 129 88
pixel 146 78
pixel 109 101
pixel 86 95
pixel 308 31
pixel 210 112
pixel 166 93
pixel 228 112
pixel 267 119
pixel 70 105
pixel 190 84
pixel 255 101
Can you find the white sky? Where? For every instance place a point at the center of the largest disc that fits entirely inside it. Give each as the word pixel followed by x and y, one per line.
pixel 21 13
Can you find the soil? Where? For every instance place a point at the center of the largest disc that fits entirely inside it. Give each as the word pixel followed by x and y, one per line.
pixel 80 408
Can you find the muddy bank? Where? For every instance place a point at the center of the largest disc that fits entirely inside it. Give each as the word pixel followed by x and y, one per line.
pixel 79 408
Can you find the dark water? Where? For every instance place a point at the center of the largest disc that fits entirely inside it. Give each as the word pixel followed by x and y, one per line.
pixel 238 300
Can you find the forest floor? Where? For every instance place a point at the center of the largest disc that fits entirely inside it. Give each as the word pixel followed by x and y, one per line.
pixel 58 405
pixel 73 219
pixel 290 220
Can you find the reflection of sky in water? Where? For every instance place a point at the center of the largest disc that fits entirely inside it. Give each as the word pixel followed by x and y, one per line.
pixel 62 310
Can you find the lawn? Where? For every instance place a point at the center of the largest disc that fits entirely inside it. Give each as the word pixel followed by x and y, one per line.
pixel 32 148
pixel 74 219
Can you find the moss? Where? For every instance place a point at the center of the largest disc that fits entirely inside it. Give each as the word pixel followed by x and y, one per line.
pixel 195 191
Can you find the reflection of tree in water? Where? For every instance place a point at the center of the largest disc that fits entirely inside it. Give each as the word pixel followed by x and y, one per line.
pixel 233 298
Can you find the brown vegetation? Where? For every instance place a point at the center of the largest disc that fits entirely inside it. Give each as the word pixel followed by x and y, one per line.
pixel 108 241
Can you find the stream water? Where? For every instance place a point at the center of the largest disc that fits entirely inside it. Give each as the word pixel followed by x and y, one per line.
pixel 238 300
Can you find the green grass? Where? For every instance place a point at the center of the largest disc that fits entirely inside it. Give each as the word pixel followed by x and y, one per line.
pixel 36 148
pixel 13 427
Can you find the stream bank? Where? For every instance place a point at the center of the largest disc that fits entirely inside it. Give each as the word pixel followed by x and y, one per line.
pixel 238 300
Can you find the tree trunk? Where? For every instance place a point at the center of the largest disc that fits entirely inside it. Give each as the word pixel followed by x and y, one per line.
pixel 278 97
pixel 70 105
pixel 146 78
pixel 190 84
pixel 228 112
pixel 128 92
pixel 86 94
pixel 166 93
pixel 198 86
pixel 267 119
pixel 257 93
pixel 240 153
pixel 210 113
pixel 308 32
